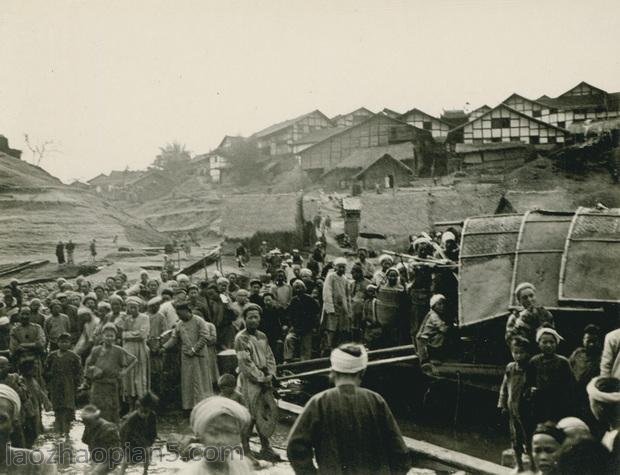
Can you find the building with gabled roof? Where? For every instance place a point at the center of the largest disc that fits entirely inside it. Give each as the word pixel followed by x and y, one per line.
pixel 315 137
pixel 478 112
pixel 579 103
pixel 454 117
pixel 229 141
pixel 4 147
pixel 505 124
pixel 278 139
pixel 352 118
pixel 370 170
pixel 378 130
pixel 422 120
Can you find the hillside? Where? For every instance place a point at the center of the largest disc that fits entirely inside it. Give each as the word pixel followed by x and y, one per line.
pixel 37 210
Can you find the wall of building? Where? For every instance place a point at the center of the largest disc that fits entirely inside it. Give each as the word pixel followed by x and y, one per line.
pixel 504 125
pixel 379 130
pixel 558 117
pixel 378 172
pixel 281 143
pixel 353 118
pixel 426 122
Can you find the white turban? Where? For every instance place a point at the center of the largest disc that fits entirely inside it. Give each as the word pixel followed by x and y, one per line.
pixel 572 423
pixel 522 286
pixel 182 277
pixel 421 240
pixel 436 298
pixel 447 236
pixel 135 300
pixel 154 301
pixel 340 261
pixel 343 362
pixel 9 394
pixel 548 331
pixel 385 257
pixel 208 409
pixel 597 395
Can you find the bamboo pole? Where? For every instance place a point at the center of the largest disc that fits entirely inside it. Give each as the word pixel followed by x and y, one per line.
pixel 298 364
pixel 316 372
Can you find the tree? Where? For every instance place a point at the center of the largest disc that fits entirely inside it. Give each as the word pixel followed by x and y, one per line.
pixel 243 160
pixel 172 157
pixel 40 150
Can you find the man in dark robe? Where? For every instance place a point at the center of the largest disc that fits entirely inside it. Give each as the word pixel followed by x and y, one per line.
pixel 348 429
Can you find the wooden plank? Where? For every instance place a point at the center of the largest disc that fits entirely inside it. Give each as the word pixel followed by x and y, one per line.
pixel 433 452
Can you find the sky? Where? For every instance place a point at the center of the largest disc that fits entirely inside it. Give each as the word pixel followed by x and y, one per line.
pixel 109 82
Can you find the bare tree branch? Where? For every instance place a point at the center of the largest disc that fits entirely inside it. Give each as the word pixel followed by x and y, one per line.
pixel 40 150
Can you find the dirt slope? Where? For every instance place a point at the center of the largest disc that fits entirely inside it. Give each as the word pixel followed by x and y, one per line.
pixel 37 210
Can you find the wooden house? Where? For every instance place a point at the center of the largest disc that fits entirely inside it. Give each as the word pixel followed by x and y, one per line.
pixel 378 130
pixel 422 120
pixel 505 124
pixel 370 171
pixel 493 157
pixel 582 102
pixel 315 137
pixel 454 117
pixel 4 148
pixel 230 141
pixel 113 184
pixel 278 139
pixel 352 118
pixel 578 104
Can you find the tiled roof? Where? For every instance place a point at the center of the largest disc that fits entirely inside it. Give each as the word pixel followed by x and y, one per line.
pixel 284 124
pixel 318 135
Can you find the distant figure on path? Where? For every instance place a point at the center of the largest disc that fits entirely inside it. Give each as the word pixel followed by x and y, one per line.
pixel 70 249
pixel 60 252
pixel 93 249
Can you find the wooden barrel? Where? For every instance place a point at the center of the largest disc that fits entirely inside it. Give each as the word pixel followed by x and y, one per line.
pixel 388 306
pixel 227 362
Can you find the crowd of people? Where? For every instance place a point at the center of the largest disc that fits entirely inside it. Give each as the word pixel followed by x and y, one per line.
pixel 131 348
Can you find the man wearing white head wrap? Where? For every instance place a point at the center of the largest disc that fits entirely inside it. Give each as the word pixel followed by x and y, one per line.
pixel 604 395
pixel 336 318
pixel 348 429
pixel 433 336
pixel 526 322
pixel 16 460
pixel 379 278
pixel 220 423
pixel 553 379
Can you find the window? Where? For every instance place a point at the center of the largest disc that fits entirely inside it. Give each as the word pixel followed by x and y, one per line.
pixel 534 139
pixel 562 124
pixel 496 139
pixel 551 140
pixel 536 113
pixel 553 110
pixel 515 139
pixel 503 123
pixel 427 125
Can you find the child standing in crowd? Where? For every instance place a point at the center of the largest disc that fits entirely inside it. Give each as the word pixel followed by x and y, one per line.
pixel 138 432
pixel 551 379
pixel 513 401
pixel 64 375
pixel 33 424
